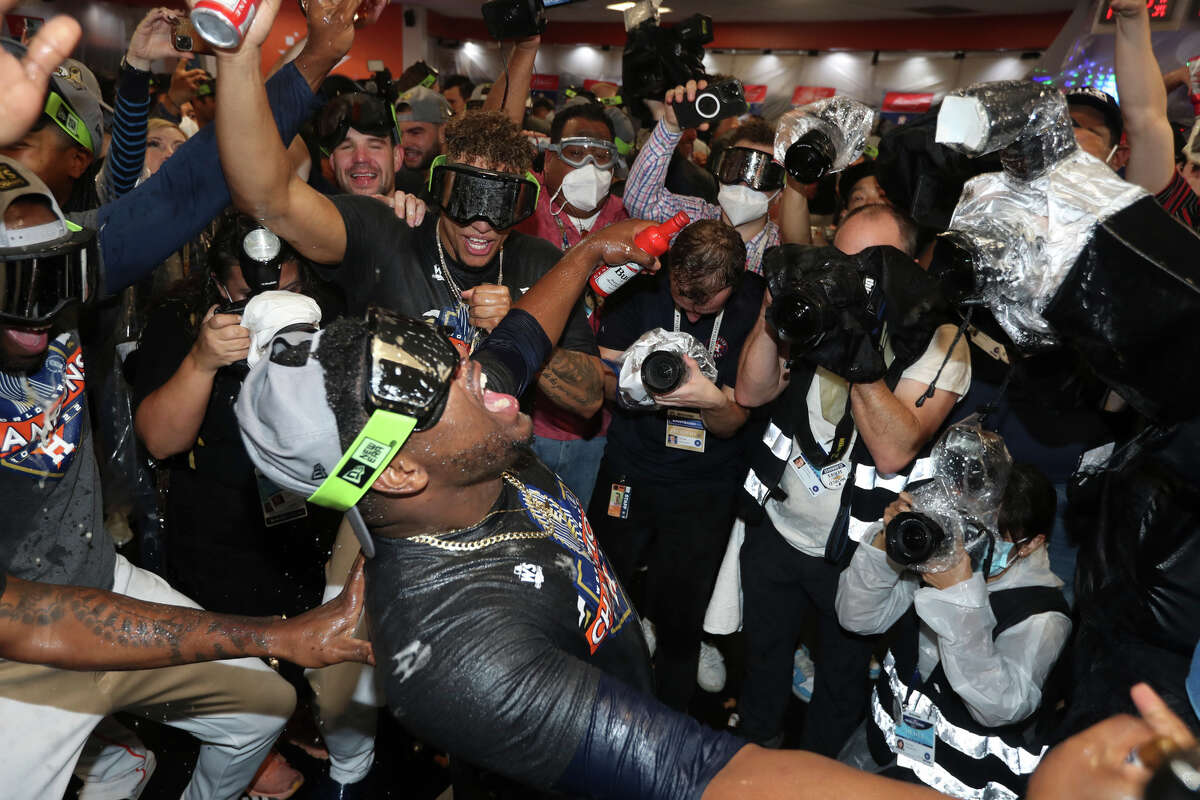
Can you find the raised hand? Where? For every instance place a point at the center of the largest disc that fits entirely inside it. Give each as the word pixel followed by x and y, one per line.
pixel 153 39
pixel 23 83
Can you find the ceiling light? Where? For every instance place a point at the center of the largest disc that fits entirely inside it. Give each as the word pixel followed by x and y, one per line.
pixel 620 6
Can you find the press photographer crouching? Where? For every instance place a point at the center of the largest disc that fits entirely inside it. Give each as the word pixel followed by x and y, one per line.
pixel 854 350
pixel 234 542
pixel 959 566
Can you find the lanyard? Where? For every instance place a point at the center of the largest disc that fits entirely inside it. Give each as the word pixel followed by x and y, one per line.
pixel 712 340
pixel 843 431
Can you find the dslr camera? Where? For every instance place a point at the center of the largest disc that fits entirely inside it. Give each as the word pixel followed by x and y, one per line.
pixel 712 104
pixel 822 137
pixel 813 288
pixel 657 58
pixel 518 19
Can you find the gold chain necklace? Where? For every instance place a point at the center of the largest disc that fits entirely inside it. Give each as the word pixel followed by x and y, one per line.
pixel 436 540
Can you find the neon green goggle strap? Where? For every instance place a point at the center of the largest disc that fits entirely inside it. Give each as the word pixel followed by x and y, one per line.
pixel 71 123
pixel 615 100
pixel 623 147
pixel 374 448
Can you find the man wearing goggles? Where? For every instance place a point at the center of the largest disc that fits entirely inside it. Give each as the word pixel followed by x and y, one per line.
pixel 358 132
pixel 749 184
pixel 462 268
pixel 507 641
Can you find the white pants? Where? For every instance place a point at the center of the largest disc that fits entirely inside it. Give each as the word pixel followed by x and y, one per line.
pixel 235 708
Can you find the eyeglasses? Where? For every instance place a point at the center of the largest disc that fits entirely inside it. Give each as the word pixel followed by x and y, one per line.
pixel 578 151
pixel 38 281
pixel 365 113
pixel 758 170
pixel 70 122
pixel 466 194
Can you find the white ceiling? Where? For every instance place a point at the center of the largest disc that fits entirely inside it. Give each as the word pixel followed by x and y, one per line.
pixel 773 10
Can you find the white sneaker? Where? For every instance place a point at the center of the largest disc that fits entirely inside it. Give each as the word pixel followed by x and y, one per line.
pixel 803 674
pixel 648 633
pixel 710 673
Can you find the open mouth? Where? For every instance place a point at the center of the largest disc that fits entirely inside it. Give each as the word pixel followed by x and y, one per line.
pixel 495 402
pixel 363 178
pixel 477 245
pixel 28 341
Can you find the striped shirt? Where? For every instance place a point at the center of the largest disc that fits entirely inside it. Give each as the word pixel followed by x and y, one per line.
pixel 127 152
pixel 1181 202
pixel 647 197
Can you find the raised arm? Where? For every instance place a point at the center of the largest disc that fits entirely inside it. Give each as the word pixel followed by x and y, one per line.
pixel 646 193
pixel 72 627
pixel 23 82
pixel 261 179
pixel 1143 99
pixel 511 89
pixel 761 367
pixel 795 226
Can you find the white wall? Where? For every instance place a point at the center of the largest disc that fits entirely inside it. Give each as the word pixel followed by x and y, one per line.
pixel 849 72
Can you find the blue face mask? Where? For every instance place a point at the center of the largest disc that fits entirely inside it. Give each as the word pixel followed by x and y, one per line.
pixel 1001 555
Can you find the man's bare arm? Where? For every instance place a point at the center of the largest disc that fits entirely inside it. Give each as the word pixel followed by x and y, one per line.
pixel 262 180
pixel 1143 99
pixel 573 381
pixel 72 627
pixel 511 89
pixel 762 374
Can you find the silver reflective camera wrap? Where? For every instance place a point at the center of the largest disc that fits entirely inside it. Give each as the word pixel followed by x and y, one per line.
pixel 630 391
pixel 846 122
pixel 1028 234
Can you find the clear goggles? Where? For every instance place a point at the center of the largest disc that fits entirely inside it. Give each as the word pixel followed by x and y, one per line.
pixel 466 194
pixel 38 281
pixel 578 151
pixel 758 170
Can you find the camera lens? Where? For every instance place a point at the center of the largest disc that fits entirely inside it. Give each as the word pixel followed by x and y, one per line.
pixel 912 538
pixel 707 105
pixel 801 320
pixel 810 157
pixel 953 266
pixel 663 371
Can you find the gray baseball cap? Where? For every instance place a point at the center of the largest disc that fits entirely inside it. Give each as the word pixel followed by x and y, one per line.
pixel 289 430
pixel 78 87
pixel 420 104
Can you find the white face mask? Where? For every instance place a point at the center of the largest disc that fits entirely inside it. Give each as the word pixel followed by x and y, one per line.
pixel 742 204
pixel 586 187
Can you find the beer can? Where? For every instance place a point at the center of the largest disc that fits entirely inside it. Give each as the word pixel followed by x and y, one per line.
pixel 223 23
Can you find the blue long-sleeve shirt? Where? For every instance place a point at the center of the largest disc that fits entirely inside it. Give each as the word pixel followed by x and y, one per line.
pixel 139 230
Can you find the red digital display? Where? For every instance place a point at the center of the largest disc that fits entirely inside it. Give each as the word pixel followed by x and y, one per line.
pixel 1159 10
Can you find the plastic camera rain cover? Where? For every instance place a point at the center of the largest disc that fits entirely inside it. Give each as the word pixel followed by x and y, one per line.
pixel 630 391
pixel 845 123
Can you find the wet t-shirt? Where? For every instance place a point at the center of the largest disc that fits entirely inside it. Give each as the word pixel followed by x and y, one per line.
pixel 512 645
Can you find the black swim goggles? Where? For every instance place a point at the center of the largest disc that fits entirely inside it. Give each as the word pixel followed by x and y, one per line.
pixel 37 281
pixel 758 170
pixel 466 194
pixel 363 112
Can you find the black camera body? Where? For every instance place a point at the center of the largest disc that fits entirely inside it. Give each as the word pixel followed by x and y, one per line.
pixel 811 289
pixel 913 538
pixel 663 371
pixel 514 19
pixel 656 59
pixel 713 104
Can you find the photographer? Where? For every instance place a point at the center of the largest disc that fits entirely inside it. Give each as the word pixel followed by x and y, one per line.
pixel 739 203
pixel 977 647
pixel 681 492
pixel 868 434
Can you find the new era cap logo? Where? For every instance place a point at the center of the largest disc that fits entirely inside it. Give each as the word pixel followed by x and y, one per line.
pixel 319 473
pixel 366 458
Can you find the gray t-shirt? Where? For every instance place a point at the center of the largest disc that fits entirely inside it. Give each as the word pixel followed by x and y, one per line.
pixel 52 526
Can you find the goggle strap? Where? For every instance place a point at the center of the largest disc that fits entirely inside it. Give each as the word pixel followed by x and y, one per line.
pixel 81 135
pixel 365 460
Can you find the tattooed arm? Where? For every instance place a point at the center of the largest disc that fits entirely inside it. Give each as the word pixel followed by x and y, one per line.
pixel 72 627
pixel 574 381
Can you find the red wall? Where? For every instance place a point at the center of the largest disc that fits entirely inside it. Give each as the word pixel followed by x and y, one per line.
pixel 1017 32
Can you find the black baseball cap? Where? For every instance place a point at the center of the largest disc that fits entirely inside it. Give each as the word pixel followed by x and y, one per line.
pixel 1101 101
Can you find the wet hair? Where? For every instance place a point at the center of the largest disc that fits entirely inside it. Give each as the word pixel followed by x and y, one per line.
pixel 908 228
pixel 465 87
pixel 754 130
pixel 491 137
pixel 593 112
pixel 540 103
pixel 706 257
pixel 1029 504
pixel 340 351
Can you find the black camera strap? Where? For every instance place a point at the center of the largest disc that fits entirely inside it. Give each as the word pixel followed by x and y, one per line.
pixel 843 432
